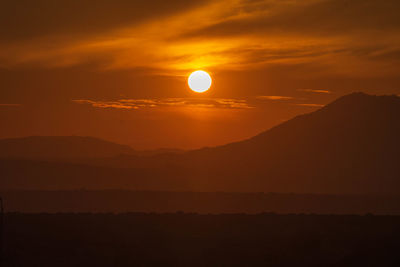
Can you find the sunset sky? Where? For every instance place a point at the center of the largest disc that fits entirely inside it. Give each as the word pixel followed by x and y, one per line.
pixel 118 69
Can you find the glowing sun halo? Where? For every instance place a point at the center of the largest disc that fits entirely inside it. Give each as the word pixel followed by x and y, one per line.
pixel 199 81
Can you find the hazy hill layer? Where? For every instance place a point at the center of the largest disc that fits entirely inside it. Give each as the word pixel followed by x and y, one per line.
pixel 47 147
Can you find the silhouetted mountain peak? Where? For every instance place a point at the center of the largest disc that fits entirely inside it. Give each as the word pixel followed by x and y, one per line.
pixel 356 114
pixel 361 101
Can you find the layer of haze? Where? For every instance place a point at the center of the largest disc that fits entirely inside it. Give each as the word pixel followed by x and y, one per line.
pixel 117 69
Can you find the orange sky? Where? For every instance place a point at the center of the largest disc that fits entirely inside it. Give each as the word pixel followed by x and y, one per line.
pixel 117 69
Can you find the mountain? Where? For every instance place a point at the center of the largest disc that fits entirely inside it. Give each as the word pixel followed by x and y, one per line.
pixel 60 147
pixel 349 146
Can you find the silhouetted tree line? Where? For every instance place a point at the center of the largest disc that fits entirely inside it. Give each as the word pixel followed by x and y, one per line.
pixel 179 239
pixel 1 231
pixel 200 202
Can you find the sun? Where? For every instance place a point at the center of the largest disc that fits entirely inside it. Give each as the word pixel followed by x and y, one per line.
pixel 199 81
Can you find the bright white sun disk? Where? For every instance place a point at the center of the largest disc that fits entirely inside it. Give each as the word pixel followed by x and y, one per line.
pixel 199 81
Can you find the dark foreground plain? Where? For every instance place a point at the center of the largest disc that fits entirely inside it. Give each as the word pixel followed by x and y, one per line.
pixel 122 201
pixel 179 239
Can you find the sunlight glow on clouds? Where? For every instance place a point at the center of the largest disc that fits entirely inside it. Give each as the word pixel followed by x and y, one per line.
pixel 316 91
pixel 274 97
pixel 168 102
pixel 223 34
pixel 311 105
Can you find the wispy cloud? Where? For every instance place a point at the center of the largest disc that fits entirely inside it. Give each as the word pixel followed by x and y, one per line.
pixel 311 105
pixel 10 105
pixel 316 91
pixel 274 97
pixel 227 34
pixel 226 103
pixel 106 104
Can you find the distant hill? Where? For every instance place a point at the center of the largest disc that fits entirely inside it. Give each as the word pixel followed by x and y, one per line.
pixel 349 146
pixel 70 148
pixel 48 147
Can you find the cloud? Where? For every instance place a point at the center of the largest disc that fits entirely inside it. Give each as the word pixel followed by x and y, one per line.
pixel 10 105
pixel 329 33
pixel 274 97
pixel 225 103
pixel 316 91
pixel 359 37
pixel 309 17
pixel 311 105
pixel 106 104
pixel 27 20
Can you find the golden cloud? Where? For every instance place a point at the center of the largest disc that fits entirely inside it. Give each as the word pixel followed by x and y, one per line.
pixel 224 103
pixel 311 105
pixel 316 91
pixel 274 97
pixel 228 34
